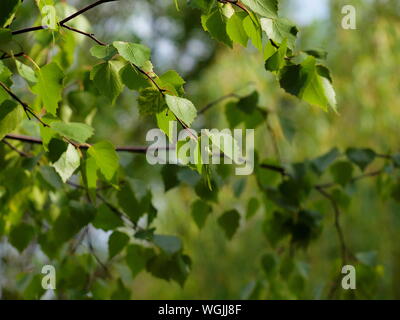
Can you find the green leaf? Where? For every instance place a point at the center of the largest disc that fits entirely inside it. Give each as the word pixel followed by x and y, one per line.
pixel 200 211
pixel 107 80
pixel 132 78
pixel 342 172
pixel 321 163
pixel 150 101
pixel 173 81
pixel 5 36
pixel 214 23
pixel 106 219
pixel 135 53
pixel 265 8
pixel 11 114
pixel 361 157
pixel 103 52
pixel 164 118
pixel 269 262
pixel 277 60
pixel 168 244
pixel 279 30
pixel 76 131
pixel 229 222
pixel 253 30
pixel 128 202
pixel 7 13
pixel 235 29
pixel 182 108
pixel 248 104
pixel 116 243
pixel 205 192
pixel 68 163
pixel 106 158
pixel 167 267
pixel 306 82
pixel 317 53
pixel 252 207
pixel 21 235
pixel 136 258
pixel 49 86
pixel 26 72
pixel 169 176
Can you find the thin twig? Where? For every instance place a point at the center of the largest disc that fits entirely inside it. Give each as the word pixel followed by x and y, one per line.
pixel 30 29
pixel 130 149
pixel 20 152
pixel 83 10
pixel 360 177
pixel 90 35
pixel 216 101
pixel 274 139
pixel 8 56
pixel 27 109
pixel 93 252
pixel 275 168
pixel 161 90
pixel 62 22
pixel 343 248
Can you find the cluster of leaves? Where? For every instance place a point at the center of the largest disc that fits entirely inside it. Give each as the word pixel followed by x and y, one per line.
pixel 62 189
pixel 299 73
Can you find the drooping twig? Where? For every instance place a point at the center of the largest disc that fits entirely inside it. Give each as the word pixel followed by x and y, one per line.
pixel 20 152
pixel 93 252
pixel 216 101
pixel 343 248
pixel 87 34
pixel 27 109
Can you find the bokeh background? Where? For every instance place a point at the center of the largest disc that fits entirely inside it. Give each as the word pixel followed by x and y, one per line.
pixel 364 64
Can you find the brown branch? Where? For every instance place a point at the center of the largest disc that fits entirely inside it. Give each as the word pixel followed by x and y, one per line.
pixel 27 109
pixel 83 10
pixel 62 22
pixel 343 248
pixel 360 177
pixel 130 149
pixel 236 3
pixel 30 29
pixel 21 153
pixel 275 168
pixel 161 90
pixel 8 56
pixel 216 101
pixel 90 35
pixel 93 252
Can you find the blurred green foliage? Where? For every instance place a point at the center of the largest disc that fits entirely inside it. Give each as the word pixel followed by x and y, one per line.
pixel 272 254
